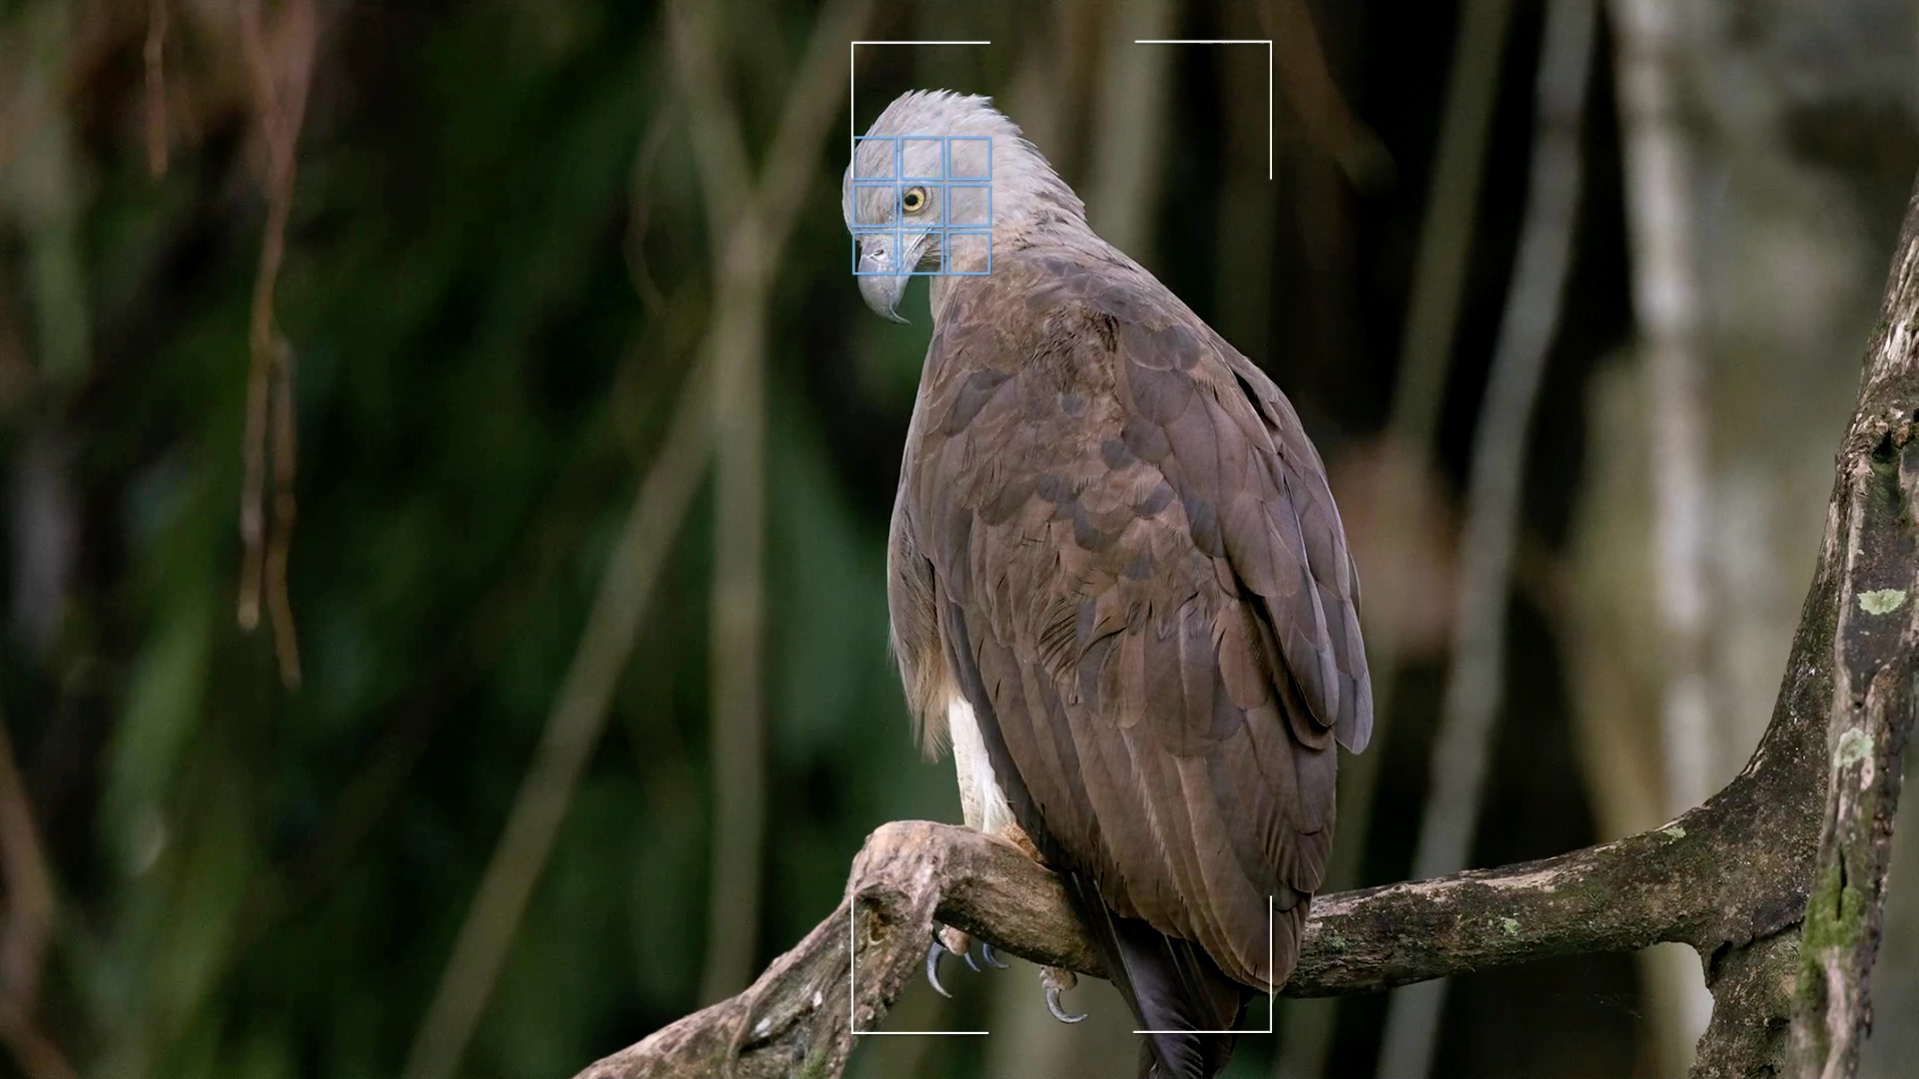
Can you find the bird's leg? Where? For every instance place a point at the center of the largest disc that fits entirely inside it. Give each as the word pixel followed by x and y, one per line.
pixel 1057 980
pixel 1014 834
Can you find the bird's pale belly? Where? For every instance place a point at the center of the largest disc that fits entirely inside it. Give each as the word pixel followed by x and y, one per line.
pixel 982 802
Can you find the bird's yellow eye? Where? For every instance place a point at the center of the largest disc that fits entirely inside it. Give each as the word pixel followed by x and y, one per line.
pixel 914 200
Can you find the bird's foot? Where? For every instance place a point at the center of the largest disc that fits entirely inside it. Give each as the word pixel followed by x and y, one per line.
pixel 957 943
pixel 1057 980
pixel 950 941
pixel 939 947
pixel 1014 834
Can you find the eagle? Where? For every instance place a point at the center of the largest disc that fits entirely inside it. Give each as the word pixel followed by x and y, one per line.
pixel 1119 587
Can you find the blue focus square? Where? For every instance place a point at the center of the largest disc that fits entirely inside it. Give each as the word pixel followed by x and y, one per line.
pixel 969 157
pixel 968 205
pixel 969 253
pixel 923 158
pixel 888 192
pixel 876 157
pixel 887 236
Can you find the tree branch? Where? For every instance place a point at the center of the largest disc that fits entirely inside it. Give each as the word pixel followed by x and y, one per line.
pixel 1869 549
pixel 29 925
pixel 1624 895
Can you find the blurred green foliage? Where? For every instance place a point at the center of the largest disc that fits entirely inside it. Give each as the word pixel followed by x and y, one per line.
pixel 267 883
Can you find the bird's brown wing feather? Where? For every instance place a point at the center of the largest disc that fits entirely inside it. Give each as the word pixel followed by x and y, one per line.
pixel 1149 594
pixel 914 637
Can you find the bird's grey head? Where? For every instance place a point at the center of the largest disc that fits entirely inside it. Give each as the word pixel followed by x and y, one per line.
pixel 979 182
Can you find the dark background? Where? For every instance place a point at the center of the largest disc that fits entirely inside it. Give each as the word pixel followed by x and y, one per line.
pixel 497 273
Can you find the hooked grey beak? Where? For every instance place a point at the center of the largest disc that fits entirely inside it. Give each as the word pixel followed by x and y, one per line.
pixel 882 290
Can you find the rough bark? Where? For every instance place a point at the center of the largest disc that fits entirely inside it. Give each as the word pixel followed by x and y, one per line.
pixel 1731 878
pixel 1869 550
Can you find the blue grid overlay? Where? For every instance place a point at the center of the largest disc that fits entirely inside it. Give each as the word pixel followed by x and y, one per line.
pixel 964 201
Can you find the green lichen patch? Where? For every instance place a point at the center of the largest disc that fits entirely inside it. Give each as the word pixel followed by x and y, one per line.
pixel 1854 746
pixel 814 1066
pixel 1510 925
pixel 1882 600
pixel 1834 914
pixel 1674 833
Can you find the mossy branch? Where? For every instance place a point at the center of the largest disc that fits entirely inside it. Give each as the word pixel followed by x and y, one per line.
pixel 1869 555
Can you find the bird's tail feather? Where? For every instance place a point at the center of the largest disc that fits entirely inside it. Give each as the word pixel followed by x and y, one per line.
pixel 1171 985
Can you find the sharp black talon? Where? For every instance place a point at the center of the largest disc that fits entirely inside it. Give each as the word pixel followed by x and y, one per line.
pixel 968 956
pixel 1053 1005
pixel 986 953
pixel 933 968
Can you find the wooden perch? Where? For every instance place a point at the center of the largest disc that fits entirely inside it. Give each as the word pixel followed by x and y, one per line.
pixel 1731 878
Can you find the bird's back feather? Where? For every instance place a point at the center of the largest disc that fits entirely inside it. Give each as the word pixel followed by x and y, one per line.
pixel 1139 580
